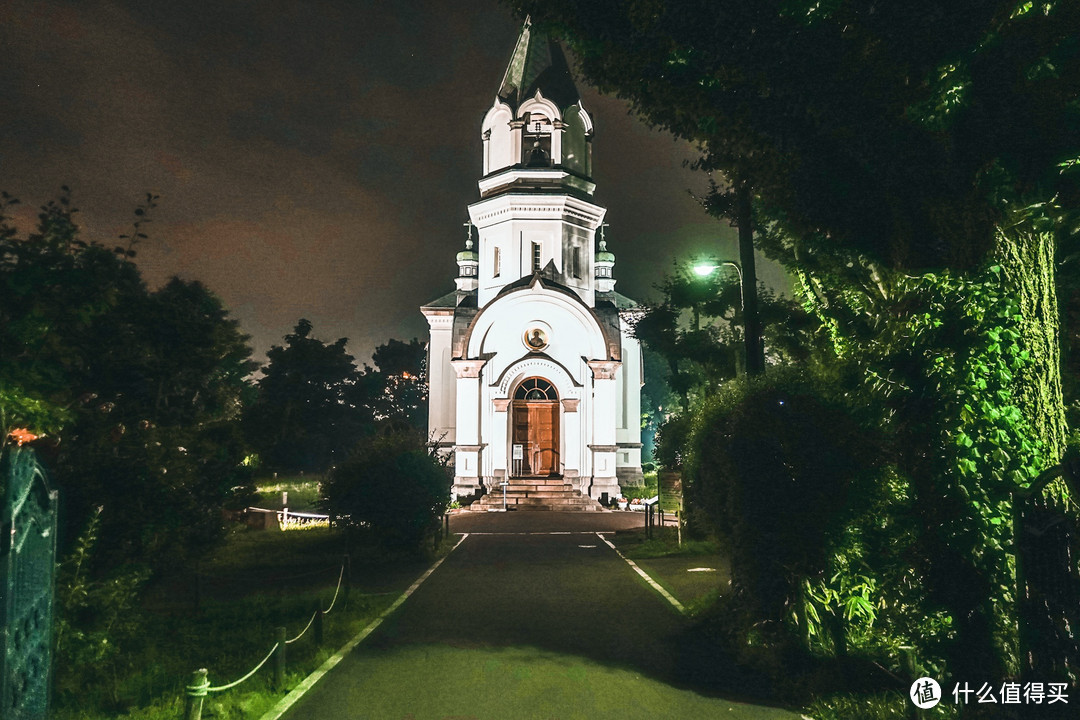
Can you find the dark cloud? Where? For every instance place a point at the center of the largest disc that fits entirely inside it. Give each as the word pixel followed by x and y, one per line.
pixel 313 159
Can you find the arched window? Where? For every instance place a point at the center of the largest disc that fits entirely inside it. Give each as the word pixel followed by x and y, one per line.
pixel 498 140
pixel 536 389
pixel 536 141
pixel 575 143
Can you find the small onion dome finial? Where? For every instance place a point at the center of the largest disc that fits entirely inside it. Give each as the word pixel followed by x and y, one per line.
pixel 468 254
pixel 603 255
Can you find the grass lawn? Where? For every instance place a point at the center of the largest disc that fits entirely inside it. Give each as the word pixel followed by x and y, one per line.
pixel 303 492
pixel 695 572
pixel 222 616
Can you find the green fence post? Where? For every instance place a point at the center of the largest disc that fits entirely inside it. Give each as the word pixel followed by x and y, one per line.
pixel 318 622
pixel 194 694
pixel 279 660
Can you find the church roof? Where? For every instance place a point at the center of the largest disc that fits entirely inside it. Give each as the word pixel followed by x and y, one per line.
pixel 449 300
pixel 538 63
pixel 624 303
pixel 452 300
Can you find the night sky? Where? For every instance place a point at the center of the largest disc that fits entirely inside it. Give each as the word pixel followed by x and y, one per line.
pixel 313 159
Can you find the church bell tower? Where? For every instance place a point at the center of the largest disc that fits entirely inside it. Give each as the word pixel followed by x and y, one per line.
pixel 535 212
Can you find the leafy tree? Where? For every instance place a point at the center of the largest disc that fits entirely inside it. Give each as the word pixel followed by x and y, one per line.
pixel 403 373
pixel 137 391
pixel 307 414
pixel 697 329
pixel 393 485
pixel 313 404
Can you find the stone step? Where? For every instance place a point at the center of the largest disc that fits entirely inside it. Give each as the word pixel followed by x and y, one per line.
pixel 552 483
pixel 566 500
pixel 521 500
pixel 560 493
pixel 536 489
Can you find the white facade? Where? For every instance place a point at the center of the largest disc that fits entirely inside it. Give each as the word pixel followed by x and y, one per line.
pixel 531 366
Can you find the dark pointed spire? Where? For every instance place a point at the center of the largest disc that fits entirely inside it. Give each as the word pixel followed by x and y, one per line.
pixel 538 63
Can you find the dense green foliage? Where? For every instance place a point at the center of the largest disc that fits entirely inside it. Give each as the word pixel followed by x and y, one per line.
pixel 696 331
pixel 900 131
pixel 914 166
pixel 136 391
pixel 137 396
pixel 310 406
pixel 773 460
pixel 313 403
pixel 393 486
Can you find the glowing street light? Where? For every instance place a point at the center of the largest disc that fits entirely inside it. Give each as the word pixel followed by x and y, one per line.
pixel 751 323
pixel 705 269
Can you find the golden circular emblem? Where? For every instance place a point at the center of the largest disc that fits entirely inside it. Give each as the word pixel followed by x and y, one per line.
pixel 535 339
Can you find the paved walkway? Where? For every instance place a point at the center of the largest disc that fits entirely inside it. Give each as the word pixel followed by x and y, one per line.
pixel 517 623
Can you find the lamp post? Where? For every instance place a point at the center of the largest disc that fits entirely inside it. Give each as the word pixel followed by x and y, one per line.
pixel 755 358
pixel 706 268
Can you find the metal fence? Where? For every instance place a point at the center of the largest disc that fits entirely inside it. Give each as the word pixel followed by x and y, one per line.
pixel 27 569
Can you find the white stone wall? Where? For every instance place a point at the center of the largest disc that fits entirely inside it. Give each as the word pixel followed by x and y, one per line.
pixel 513 222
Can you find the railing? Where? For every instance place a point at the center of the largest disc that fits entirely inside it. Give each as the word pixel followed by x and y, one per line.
pixel 196 691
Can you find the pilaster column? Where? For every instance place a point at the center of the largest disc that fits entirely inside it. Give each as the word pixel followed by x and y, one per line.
pixel 468 446
pixel 603 444
pixel 572 461
pixel 498 444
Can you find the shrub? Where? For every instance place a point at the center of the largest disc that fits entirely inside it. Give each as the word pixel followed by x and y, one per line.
pixel 772 463
pixel 392 485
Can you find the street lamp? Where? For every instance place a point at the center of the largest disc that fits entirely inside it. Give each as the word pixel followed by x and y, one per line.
pixel 705 268
pixel 755 362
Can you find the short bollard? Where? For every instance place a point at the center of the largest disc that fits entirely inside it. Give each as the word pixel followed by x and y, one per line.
pixel 318 623
pixel 194 694
pixel 279 660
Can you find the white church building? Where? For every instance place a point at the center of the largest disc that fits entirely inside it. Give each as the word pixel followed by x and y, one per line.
pixel 532 369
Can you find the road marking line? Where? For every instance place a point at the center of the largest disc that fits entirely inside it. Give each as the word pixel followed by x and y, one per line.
pixel 655 585
pixel 307 683
pixel 576 532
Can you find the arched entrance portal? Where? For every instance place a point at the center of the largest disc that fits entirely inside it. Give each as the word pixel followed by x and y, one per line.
pixel 535 429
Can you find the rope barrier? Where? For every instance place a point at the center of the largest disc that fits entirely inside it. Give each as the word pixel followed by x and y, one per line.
pixel 254 670
pixel 199 688
pixel 336 591
pixel 290 642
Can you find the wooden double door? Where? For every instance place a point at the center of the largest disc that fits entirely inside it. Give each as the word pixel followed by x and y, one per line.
pixel 536 431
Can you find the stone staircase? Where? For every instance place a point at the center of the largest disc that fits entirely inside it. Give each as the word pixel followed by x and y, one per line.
pixel 537 493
